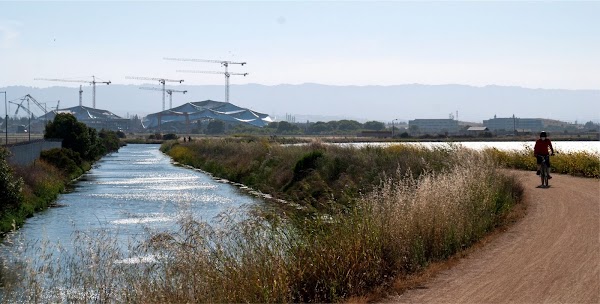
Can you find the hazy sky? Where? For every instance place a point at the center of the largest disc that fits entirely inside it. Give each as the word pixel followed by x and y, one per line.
pixel 529 44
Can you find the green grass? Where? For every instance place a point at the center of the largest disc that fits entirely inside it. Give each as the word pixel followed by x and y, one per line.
pixel 585 164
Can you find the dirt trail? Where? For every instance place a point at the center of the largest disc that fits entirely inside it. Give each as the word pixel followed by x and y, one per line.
pixel 550 256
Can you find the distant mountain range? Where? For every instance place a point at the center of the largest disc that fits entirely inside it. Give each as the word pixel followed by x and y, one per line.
pixel 325 102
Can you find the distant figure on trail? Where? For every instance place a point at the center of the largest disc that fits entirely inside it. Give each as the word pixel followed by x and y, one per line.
pixel 540 150
pixel 189 138
pixel 184 139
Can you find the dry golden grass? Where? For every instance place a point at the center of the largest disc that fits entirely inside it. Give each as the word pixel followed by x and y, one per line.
pixel 406 223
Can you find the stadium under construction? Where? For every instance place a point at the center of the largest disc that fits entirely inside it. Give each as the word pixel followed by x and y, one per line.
pixel 180 118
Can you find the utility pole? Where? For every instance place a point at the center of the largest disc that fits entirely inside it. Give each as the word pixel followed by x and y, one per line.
pixel 6 116
pixel 223 63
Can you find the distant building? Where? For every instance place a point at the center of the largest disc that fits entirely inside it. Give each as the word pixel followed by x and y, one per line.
pixel 93 118
pixel 511 124
pixel 477 131
pixel 179 118
pixel 433 126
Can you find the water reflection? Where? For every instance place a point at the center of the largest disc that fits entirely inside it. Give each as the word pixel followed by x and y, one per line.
pixel 130 193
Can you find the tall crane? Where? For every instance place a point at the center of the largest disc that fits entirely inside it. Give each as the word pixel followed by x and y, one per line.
pixel 93 83
pixel 161 81
pixel 227 75
pixel 80 97
pixel 169 91
pixel 224 63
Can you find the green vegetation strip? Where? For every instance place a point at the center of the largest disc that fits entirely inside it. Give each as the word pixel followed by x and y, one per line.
pixel 581 163
pixel 25 190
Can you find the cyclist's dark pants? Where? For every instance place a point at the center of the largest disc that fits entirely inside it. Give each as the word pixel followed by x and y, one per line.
pixel 539 159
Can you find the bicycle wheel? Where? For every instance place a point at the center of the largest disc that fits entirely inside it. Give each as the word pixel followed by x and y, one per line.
pixel 544 175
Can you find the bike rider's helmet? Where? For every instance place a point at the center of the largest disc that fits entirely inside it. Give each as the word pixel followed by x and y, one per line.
pixel 543 134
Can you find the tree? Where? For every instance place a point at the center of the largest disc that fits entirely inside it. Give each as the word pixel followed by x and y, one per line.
pixel 319 127
pixel 349 125
pixel 286 127
pixel 374 125
pixel 215 127
pixel 75 135
pixel 591 126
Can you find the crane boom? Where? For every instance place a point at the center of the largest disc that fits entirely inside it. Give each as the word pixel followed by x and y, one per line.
pixel 161 81
pixel 211 72
pixel 226 73
pixel 223 62
pixel 169 91
pixel 93 83
pixel 37 103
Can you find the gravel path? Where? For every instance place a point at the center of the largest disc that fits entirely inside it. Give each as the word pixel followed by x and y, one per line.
pixel 552 255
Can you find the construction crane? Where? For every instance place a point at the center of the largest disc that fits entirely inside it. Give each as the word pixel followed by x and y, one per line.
pixel 169 91
pixel 28 108
pixel 224 63
pixel 227 75
pixel 161 81
pixel 93 83
pixel 80 97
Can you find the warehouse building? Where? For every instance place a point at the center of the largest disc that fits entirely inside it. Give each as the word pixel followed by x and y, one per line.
pixel 433 126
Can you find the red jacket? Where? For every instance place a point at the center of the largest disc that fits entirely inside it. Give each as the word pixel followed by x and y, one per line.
pixel 541 147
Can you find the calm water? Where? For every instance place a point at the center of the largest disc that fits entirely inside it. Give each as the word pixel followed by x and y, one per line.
pixel 130 192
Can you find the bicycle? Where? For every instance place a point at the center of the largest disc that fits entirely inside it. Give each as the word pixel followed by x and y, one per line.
pixel 544 173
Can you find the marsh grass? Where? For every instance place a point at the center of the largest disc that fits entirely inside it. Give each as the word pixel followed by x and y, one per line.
pixel 424 207
pixel 580 163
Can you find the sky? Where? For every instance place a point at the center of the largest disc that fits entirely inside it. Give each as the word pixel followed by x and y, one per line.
pixel 551 45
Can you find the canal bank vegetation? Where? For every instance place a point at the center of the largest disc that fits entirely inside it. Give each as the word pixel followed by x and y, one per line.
pixel 404 208
pixel 579 163
pixel 374 214
pixel 39 183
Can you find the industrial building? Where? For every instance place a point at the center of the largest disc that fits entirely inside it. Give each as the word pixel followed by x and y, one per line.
pixel 93 118
pixel 433 126
pixel 179 118
pixel 514 124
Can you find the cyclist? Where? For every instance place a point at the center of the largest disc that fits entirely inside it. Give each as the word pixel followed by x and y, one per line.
pixel 541 151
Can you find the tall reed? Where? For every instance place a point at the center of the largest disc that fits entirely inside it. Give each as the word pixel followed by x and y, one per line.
pixel 406 221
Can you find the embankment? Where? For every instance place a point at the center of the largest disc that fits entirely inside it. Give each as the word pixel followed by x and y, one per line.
pixel 374 214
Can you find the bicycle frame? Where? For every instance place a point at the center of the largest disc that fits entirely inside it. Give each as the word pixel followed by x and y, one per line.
pixel 544 171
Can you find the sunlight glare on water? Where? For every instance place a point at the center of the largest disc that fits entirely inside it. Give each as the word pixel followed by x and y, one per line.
pixel 130 193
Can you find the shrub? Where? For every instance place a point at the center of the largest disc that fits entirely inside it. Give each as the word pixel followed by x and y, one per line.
pixel 170 136
pixel 68 161
pixel 10 185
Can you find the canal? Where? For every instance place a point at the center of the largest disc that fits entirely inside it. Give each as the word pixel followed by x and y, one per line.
pixel 128 196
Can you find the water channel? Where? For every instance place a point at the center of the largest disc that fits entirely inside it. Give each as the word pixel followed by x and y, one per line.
pixel 129 194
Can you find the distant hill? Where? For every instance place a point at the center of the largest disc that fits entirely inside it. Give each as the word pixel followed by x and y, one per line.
pixel 324 102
